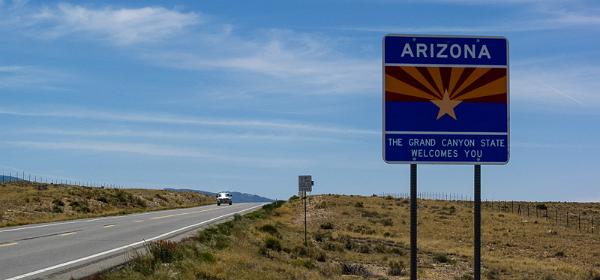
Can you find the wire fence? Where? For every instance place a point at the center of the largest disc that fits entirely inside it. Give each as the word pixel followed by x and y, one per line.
pixel 584 218
pixel 22 176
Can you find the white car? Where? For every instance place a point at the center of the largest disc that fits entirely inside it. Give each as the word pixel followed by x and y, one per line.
pixel 224 197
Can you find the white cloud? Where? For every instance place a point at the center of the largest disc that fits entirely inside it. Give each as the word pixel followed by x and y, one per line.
pixel 245 124
pixel 120 26
pixel 26 76
pixel 155 150
pixel 577 18
pixel 533 15
pixel 178 135
pixel 304 63
pixel 565 85
pixel 289 61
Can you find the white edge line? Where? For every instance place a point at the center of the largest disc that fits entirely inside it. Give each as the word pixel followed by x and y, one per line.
pixel 124 247
pixel 475 133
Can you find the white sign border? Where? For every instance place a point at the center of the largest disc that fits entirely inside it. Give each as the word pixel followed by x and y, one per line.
pixel 383 132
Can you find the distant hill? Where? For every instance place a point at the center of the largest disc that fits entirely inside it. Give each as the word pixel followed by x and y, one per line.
pixel 4 178
pixel 26 202
pixel 237 196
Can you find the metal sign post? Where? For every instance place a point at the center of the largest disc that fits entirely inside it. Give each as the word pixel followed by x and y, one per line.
pixel 445 101
pixel 413 221
pixel 305 184
pixel 305 234
pixel 477 223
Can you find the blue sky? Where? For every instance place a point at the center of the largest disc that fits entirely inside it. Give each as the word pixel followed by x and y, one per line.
pixel 247 95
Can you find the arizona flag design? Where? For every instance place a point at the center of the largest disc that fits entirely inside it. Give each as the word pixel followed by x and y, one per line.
pixel 445 100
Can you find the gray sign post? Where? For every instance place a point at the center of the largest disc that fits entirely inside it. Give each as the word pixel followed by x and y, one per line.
pixel 305 184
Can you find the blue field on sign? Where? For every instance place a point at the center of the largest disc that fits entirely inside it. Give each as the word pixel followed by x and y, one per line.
pixel 421 116
pixel 420 152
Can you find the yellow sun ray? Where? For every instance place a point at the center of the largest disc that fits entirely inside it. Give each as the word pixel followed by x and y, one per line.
pixel 437 78
pixel 413 72
pixel 394 85
pixel 454 75
pixel 496 87
pixel 472 78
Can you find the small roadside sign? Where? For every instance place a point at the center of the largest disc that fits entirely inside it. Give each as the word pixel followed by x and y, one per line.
pixel 305 183
pixel 445 99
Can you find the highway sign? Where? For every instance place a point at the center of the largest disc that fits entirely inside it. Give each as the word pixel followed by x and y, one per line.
pixel 445 99
pixel 305 183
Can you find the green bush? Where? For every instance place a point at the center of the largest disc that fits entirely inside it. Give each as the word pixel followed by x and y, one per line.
pixel 370 214
pixel 165 251
pixel 331 246
pixel 354 269
pixel 58 202
pixel 300 251
pixel 321 257
pixel 122 197
pixel 364 249
pixel 142 264
pixel 80 206
pixel 322 236
pixel 161 197
pixel 387 222
pixel 215 237
pixel 442 258
pixel 140 202
pixel 541 206
pixel 207 257
pixel 327 225
pixel 272 244
pixel 308 264
pixel 270 229
pixel 396 268
pixel 57 209
pixel 493 274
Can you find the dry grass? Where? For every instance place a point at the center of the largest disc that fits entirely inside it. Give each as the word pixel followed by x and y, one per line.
pixel 27 203
pixel 354 237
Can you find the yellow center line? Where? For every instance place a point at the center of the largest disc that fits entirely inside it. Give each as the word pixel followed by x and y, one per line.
pixel 68 233
pixel 8 244
pixel 168 216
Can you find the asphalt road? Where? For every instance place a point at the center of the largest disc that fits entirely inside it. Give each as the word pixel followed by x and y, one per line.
pixel 76 248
